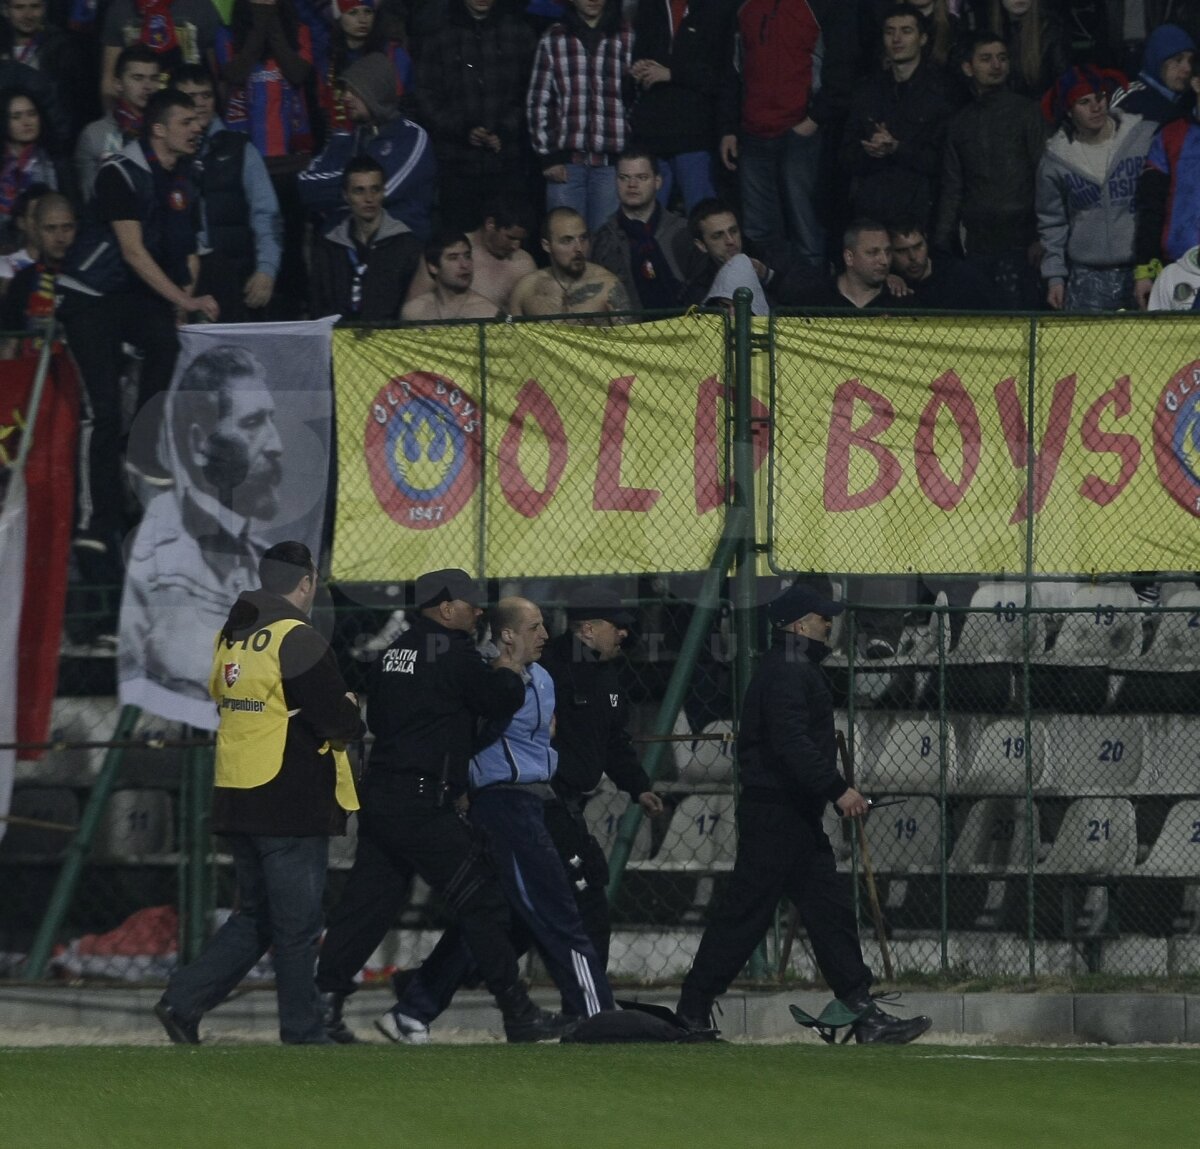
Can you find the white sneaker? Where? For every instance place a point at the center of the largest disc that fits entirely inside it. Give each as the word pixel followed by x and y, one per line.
pixel 402 1029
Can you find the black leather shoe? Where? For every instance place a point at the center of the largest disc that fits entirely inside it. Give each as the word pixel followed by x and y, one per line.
pixel 335 1025
pixel 538 1025
pixel 179 1029
pixel 876 1026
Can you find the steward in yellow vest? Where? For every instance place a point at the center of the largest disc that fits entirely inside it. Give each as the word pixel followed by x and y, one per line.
pixel 285 718
pixel 283 785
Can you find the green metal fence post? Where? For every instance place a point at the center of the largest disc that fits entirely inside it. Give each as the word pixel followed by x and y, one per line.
pixel 77 851
pixel 1030 844
pixel 689 653
pixel 198 781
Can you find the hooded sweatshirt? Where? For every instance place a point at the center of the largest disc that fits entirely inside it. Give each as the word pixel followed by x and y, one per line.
pixel 1148 96
pixel 1082 219
pixel 400 147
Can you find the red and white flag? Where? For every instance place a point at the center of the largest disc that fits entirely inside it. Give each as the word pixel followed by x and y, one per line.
pixel 36 504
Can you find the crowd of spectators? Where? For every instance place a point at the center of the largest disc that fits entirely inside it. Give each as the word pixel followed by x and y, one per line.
pixel 234 160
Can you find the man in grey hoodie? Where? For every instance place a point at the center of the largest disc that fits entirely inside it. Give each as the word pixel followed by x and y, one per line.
pixel 1086 188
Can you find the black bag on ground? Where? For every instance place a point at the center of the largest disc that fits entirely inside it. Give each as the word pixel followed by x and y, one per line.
pixel 633 1022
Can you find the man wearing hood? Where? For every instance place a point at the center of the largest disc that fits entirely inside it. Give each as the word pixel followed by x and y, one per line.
pixel 471 81
pixel 1086 188
pixel 362 266
pixel 283 785
pixel 787 766
pixel 1162 91
pixel 398 145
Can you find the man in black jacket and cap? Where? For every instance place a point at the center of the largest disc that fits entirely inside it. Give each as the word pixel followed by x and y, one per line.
pixel 592 737
pixel 430 688
pixel 787 765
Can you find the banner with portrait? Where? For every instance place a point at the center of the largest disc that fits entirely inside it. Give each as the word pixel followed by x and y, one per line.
pixel 245 434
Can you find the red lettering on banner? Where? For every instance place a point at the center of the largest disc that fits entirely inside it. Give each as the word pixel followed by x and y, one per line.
pixel 710 442
pixel 843 437
pixel 939 488
pixel 1046 460
pixel 609 494
pixel 1125 447
pixel 519 493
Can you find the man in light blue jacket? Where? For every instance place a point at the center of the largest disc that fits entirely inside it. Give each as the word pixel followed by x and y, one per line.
pixel 510 783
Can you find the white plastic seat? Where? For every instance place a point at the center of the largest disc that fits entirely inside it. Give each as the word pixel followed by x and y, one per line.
pixel 42 804
pixel 1098 837
pixel 1176 850
pixel 680 751
pixel 1095 754
pixel 603 816
pixel 994 837
pixel 134 824
pixel 1176 645
pixel 1101 628
pixel 1171 756
pixel 910 759
pixel 994 628
pixel 702 836
pixel 711 762
pixel 996 758
pixel 906 839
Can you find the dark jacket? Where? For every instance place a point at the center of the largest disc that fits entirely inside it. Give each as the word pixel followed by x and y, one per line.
pixel 900 186
pixel 473 74
pixel 993 147
pixel 592 734
pixel 299 800
pixel 786 741
pixel 611 249
pixel 226 209
pixel 427 692
pixel 94 264
pixel 390 265
pixel 786 285
pixel 678 116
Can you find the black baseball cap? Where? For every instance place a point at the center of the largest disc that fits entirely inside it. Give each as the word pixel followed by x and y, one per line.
pixel 446 586
pixel 591 601
pixel 799 600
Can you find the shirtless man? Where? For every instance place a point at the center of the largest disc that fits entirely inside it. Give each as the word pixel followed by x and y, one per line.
pixel 449 262
pixel 500 262
pixel 570 285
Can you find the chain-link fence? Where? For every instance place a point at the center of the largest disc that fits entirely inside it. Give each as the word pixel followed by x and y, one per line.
pixel 1026 730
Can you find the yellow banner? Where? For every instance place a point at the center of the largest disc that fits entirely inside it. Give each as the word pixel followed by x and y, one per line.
pixel 529 449
pixel 902 445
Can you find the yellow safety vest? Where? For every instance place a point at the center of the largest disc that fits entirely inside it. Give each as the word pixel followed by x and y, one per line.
pixel 247 685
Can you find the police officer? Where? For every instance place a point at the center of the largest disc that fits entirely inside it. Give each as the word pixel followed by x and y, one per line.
pixel 430 689
pixel 787 762
pixel 282 786
pixel 592 738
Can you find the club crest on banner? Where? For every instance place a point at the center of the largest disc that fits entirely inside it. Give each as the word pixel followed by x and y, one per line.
pixel 1177 437
pixel 232 672
pixel 422 447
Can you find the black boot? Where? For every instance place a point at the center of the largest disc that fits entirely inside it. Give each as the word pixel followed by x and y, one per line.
pixel 525 1022
pixel 698 1020
pixel 335 1025
pixel 873 1025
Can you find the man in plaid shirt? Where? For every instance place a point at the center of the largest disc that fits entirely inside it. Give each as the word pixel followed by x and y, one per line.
pixel 578 118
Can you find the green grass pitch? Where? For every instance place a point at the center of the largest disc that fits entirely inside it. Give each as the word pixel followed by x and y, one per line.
pixel 564 1097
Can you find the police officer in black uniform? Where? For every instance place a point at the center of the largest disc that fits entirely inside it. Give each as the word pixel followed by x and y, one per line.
pixel 429 689
pixel 787 764
pixel 592 737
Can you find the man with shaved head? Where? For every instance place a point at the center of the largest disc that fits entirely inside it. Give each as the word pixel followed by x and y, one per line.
pixel 510 775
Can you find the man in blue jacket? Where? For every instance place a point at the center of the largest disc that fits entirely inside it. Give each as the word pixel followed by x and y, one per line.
pixel 399 145
pixel 510 777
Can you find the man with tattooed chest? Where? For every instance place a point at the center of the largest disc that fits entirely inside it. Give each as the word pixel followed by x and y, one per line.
pixel 570 285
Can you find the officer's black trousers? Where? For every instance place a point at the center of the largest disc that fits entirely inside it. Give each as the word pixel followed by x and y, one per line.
pixel 402 832
pixel 779 852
